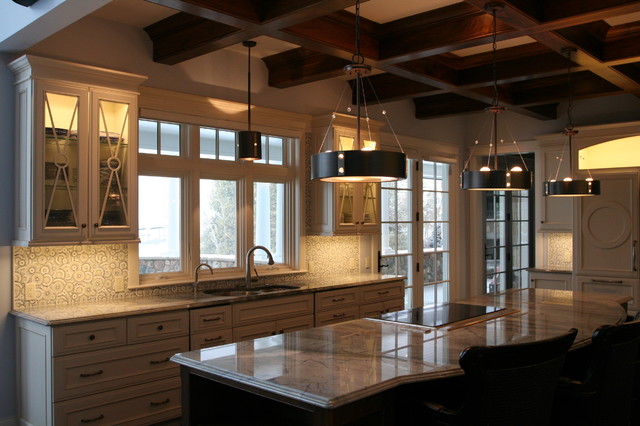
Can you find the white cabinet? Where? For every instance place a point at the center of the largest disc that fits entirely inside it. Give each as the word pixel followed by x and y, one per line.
pixel 607 235
pixel 76 153
pixel 550 280
pixel 112 371
pixel 555 214
pixel 344 208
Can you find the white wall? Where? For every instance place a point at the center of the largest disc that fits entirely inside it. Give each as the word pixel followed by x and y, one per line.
pixel 7 334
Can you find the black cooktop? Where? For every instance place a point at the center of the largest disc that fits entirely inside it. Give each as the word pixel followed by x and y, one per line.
pixel 436 316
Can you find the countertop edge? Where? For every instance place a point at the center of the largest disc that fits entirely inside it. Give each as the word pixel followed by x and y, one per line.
pixel 54 315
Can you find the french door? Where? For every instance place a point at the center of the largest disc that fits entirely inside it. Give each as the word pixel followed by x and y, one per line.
pixel 416 232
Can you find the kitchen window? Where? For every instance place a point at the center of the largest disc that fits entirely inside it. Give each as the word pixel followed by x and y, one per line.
pixel 199 204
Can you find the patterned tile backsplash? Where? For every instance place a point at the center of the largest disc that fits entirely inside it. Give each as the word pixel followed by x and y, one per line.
pixel 62 275
pixel 560 251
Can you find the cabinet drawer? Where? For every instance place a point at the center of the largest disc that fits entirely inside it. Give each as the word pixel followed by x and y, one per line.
pixel 211 338
pixel 272 309
pixel 385 291
pixel 99 371
pixel 333 299
pixel 375 309
pixel 204 319
pixel 136 405
pixel 88 336
pixel 145 328
pixel 271 328
pixel 336 316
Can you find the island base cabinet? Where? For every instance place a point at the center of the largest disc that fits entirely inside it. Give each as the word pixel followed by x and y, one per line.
pixel 136 405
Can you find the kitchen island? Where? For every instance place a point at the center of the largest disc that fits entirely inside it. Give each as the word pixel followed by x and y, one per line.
pixel 348 373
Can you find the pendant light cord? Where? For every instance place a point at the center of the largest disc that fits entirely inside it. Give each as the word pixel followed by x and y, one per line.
pixel 249 86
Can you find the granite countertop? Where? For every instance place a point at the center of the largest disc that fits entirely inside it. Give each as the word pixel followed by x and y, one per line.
pixel 63 314
pixel 551 270
pixel 334 365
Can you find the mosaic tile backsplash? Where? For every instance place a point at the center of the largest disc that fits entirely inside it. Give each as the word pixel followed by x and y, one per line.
pixel 63 275
pixel 560 250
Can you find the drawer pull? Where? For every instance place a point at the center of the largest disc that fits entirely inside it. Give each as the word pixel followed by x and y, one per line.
pixel 155 404
pixel 383 292
pixel 607 281
pixel 92 337
pixel 95 419
pixel 340 315
pixel 97 373
pixel 213 339
pixel 153 362
pixel 211 319
pixel 337 299
pixel 160 327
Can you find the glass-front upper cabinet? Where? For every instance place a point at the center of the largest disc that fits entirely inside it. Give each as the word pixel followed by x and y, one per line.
pixel 345 208
pixel 75 174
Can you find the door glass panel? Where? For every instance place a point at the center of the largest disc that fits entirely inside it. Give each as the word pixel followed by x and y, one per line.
pixel 369 212
pixel 60 160
pixel 113 142
pixel 345 198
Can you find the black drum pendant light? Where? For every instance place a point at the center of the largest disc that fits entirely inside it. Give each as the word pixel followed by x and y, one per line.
pixel 569 187
pixel 487 179
pixel 359 165
pixel 249 142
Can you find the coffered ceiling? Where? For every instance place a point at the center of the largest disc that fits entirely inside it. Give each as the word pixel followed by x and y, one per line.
pixel 435 52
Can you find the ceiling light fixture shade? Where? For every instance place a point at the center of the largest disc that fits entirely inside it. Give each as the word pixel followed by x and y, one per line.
pixel 569 187
pixel 359 165
pixel 487 179
pixel 249 141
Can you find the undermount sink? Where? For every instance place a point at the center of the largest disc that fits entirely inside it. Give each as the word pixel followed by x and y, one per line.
pixel 248 292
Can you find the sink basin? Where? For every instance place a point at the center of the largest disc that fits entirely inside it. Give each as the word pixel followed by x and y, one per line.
pixel 249 292
pixel 227 292
pixel 270 288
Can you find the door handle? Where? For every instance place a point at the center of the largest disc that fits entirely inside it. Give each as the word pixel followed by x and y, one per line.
pixel 634 259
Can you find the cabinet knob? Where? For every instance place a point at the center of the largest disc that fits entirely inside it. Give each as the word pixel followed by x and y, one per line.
pixel 95 225
pixel 92 337
pixel 84 225
pixel 160 327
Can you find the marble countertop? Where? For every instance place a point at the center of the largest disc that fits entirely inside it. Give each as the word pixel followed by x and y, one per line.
pixel 63 314
pixel 551 270
pixel 334 365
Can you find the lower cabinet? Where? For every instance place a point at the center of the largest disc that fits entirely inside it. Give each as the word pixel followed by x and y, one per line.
pixel 268 317
pixel 118 370
pixel 134 405
pixel 334 306
pixel 550 280
pixel 610 285
pixel 114 371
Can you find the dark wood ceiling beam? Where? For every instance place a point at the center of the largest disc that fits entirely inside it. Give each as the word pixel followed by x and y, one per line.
pixel 563 38
pixel 556 89
pixel 301 66
pixel 182 36
pixel 229 23
pixel 241 14
pixel 445 104
pixel 388 87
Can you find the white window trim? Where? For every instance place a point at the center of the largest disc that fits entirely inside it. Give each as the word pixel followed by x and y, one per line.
pixel 157 104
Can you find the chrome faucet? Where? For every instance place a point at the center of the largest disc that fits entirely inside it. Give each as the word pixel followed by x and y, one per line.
pixel 197 272
pixel 247 281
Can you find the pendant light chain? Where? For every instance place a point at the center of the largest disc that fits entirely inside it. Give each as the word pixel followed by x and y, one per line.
pixel 249 86
pixel 494 59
